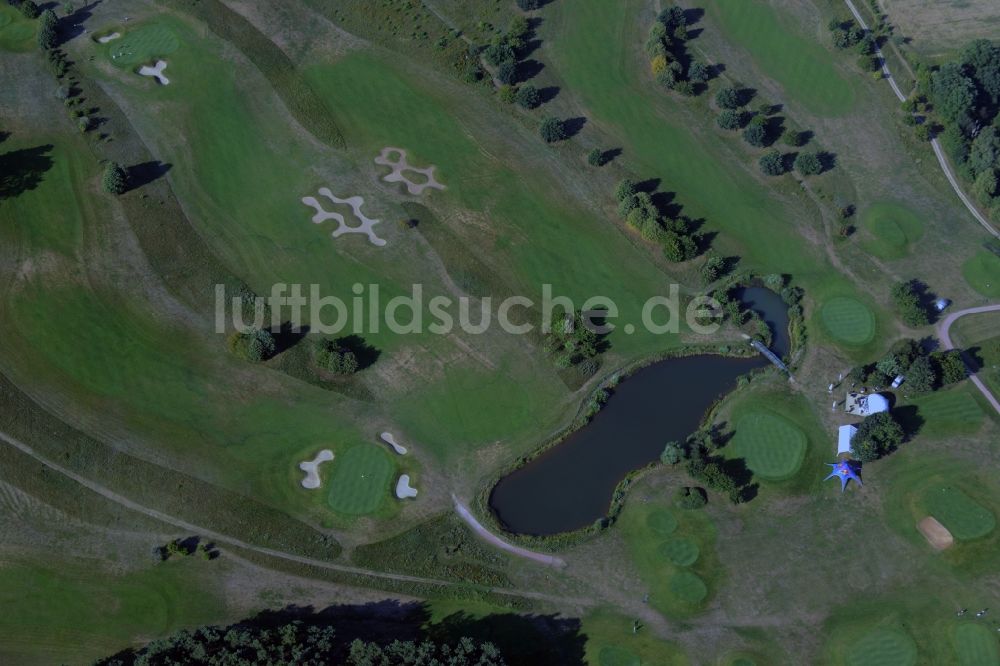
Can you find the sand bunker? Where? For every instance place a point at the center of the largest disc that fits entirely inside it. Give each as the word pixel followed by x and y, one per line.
pixel 391 441
pixel 403 488
pixel 399 165
pixel 108 38
pixel 156 71
pixel 937 535
pixel 311 468
pixel 355 203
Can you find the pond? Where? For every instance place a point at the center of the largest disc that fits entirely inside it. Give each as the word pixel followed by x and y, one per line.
pixel 570 486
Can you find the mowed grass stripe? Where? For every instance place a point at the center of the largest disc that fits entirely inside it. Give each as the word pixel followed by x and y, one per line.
pixel 883 647
pixel 965 518
pixel 975 645
pixel 772 446
pixel 950 411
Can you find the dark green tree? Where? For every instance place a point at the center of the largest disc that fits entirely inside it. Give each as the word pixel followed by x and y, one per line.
pixel 772 163
pixel 922 376
pixel 29 9
pixel 595 157
pixel 906 298
pixel 953 92
pixel 756 131
pixel 528 96
pixel 115 180
pixel 951 366
pixel 984 152
pixel 878 435
pixel 730 119
pixel 626 189
pixel 507 72
pixel 527 5
pixel 808 164
pixel 982 58
pixel 672 453
pixel 552 130
pixel 48 36
pixel 729 98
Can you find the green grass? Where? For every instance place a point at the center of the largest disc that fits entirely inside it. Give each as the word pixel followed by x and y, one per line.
pixel 951 411
pixel 848 320
pixel 982 272
pixel 76 612
pixel 142 44
pixel 800 63
pixel 681 572
pixel 17 33
pixel 894 228
pixel 611 642
pixel 883 647
pixel 361 480
pixel 975 645
pixel 965 518
pixel 772 446
pixel 680 551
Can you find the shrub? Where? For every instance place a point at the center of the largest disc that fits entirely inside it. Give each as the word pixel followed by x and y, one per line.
pixel 336 359
pixel 713 269
pixel 625 189
pixel 658 64
pixel 808 164
pixel 772 163
pixel 506 94
pixel 672 454
pixel 507 72
pixel 922 132
pixel 951 367
pixel 29 9
pixel 698 72
pixel 756 132
pixel 869 62
pixel 596 157
pixel 907 302
pixel 498 53
pixel 115 180
pixel 255 346
pixel 792 138
pixel 552 130
pixel 528 97
pixel 729 98
pixel 730 119
pixel 878 435
pixel 688 497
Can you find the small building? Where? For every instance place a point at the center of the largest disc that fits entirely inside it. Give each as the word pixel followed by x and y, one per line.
pixel 861 404
pixel 844 437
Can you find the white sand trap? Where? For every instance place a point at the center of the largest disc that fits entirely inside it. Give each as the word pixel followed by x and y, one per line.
pixel 109 38
pixel 403 488
pixel 937 535
pixel 391 441
pixel 311 468
pixel 399 165
pixel 156 71
pixel 355 203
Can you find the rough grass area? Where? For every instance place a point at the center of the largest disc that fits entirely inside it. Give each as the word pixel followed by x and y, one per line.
pixel 848 320
pixel 772 446
pixel 893 228
pixel 975 645
pixel 360 480
pixel 883 647
pixel 965 518
pixel 611 642
pixel 142 44
pixel 982 272
pixel 938 28
pixel 799 63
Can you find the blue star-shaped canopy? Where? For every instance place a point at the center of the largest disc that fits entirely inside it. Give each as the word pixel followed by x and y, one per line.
pixel 845 471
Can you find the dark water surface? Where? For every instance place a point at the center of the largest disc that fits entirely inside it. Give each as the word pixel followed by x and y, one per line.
pixel 570 485
pixel 773 310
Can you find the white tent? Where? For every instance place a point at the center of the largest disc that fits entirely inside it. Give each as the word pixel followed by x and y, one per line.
pixel 844 437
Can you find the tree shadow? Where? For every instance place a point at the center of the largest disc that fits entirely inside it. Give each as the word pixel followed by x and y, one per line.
pixel 574 126
pixel 23 170
pixel 693 15
pixel 610 155
pixel 146 172
pixel 364 352
pixel 773 128
pixel 528 69
pixel 72 26
pixel 910 419
pixel 547 94
pixel 287 336
pixel 827 159
pixel 926 299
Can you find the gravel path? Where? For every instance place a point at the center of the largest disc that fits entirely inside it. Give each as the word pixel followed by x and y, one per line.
pixel 486 535
pixel 943 334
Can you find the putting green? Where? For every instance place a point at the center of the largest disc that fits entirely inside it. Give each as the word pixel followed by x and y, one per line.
pixel 680 551
pixel 975 645
pixel 661 522
pixel 688 587
pixel 894 229
pixel 16 32
pixel 360 480
pixel 772 446
pixel 964 517
pixel 982 272
pixel 883 647
pixel 142 45
pixel 616 656
pixel 848 320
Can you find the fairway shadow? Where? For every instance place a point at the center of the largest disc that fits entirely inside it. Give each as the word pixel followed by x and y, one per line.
pixel 22 170
pixel 574 126
pixel 146 172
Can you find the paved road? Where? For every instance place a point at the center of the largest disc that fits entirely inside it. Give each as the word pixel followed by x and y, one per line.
pixel 938 152
pixel 943 333
pixel 486 535
pixel 270 552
